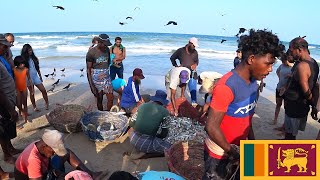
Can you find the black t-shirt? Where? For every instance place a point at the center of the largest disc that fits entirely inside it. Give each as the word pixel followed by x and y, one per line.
pixel 186 60
pixel 100 60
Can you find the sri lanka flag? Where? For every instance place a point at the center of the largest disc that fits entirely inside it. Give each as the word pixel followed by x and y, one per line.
pixel 276 159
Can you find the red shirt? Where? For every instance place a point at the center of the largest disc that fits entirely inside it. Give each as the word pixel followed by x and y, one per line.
pixel 31 162
pixel 237 99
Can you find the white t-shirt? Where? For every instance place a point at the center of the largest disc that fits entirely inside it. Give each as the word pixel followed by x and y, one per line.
pixel 172 77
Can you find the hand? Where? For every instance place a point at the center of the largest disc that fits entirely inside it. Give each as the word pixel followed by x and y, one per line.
pixel 314 113
pixel 193 67
pixel 234 152
pixel 176 113
pixel 14 115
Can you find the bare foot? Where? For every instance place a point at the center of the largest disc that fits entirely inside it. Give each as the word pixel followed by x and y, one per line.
pixel 9 159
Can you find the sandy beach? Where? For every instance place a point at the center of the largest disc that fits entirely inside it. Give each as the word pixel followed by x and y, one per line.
pixel 110 156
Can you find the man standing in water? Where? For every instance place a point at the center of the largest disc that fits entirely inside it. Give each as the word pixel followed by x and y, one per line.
pixel 188 57
pixel 98 60
pixel 118 54
pixel 233 102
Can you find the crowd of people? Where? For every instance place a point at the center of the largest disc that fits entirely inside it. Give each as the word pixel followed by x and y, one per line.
pixel 230 103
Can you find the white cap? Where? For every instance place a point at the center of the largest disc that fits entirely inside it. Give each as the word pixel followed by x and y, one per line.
pixel 194 41
pixel 53 138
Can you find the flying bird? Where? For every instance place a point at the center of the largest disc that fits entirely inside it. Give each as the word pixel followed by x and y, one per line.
pixel 56 83
pixel 223 14
pixel 47 75
pixel 67 87
pixel 51 90
pixel 223 40
pixel 129 17
pixel 122 23
pixel 59 7
pixel 82 69
pixel 171 22
pixel 136 8
pixel 63 70
pixel 81 75
pixel 241 30
pixel 223 29
pixel 303 37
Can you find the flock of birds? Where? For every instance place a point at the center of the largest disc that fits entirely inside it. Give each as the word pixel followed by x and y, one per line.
pixel 53 74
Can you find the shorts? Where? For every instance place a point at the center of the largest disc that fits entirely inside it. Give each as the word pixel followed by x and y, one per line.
pixel 278 94
pixel 103 84
pixel 148 144
pixel 293 125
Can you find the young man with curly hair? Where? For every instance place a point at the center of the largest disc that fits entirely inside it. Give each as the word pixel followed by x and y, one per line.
pixel 233 102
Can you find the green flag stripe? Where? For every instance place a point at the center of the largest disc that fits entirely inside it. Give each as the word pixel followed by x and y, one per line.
pixel 249 160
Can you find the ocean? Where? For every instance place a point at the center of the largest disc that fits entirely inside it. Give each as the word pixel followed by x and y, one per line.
pixel 149 51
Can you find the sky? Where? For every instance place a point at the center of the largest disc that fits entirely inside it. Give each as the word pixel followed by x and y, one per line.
pixel 287 18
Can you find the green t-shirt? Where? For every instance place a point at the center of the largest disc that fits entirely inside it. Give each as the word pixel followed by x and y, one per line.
pixel 149 117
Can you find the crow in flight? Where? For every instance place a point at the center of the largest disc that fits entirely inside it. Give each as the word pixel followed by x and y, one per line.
pixel 171 22
pixel 223 40
pixel 56 83
pixel 122 23
pixel 59 7
pixel 129 17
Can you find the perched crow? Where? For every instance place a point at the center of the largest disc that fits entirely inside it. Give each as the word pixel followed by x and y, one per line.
pixel 67 87
pixel 82 69
pixel 59 7
pixel 223 40
pixel 81 75
pixel 51 90
pixel 47 75
pixel 171 22
pixel 63 70
pixel 129 17
pixel 122 23
pixel 56 83
pixel 52 74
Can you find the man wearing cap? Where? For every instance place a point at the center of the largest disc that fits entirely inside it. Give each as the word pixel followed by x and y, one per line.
pixel 5 47
pixel 176 77
pixel 147 122
pixel 8 114
pixel 188 57
pixel 131 98
pixel 33 162
pixel 98 60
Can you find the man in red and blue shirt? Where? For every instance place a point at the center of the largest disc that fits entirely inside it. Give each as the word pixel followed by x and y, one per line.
pixel 233 102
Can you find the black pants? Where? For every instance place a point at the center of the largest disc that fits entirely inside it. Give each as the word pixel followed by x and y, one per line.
pixel 7 127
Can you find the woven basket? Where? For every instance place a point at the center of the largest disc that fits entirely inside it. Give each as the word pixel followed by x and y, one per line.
pixel 186 159
pixel 93 123
pixel 66 118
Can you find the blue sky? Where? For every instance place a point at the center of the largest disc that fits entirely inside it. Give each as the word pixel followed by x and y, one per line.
pixel 288 19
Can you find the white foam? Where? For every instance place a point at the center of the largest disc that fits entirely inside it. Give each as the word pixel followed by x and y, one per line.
pixel 72 48
pixel 38 37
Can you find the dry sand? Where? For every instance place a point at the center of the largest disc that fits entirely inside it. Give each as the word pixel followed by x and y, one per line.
pixel 110 156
